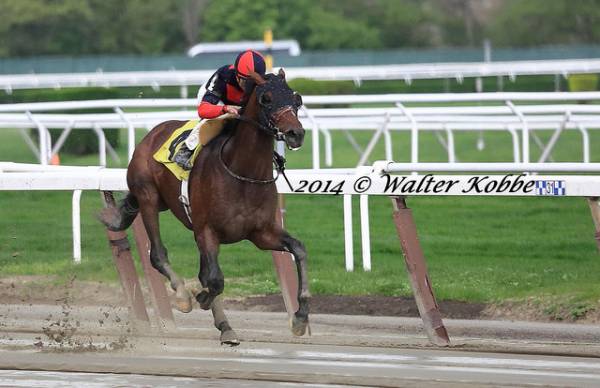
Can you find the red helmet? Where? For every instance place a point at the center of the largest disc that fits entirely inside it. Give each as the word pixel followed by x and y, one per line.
pixel 249 61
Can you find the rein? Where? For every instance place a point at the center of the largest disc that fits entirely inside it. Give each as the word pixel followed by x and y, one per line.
pixel 278 160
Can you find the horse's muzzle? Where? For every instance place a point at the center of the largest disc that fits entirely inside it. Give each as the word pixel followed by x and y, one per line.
pixel 294 138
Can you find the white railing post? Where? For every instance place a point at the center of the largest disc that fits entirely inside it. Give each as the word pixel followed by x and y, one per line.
pixel 450 144
pixel 328 147
pixel 348 236
pixel 43 138
pixel 515 143
pixel 365 232
pixel 130 133
pixel 76 220
pixel 315 137
pixel 525 130
pixel 414 133
pixel 101 144
pixel 585 139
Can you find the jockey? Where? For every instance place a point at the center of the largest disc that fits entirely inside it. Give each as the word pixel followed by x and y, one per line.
pixel 221 94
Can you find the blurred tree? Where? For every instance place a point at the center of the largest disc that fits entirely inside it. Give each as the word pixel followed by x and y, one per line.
pixel 43 26
pixel 536 22
pixel 135 26
pixel 79 27
pixel 191 11
pixel 304 20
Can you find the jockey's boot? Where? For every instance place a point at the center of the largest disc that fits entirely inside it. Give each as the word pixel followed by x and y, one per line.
pixel 183 157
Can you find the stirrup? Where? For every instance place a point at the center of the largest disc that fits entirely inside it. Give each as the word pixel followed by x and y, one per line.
pixel 183 158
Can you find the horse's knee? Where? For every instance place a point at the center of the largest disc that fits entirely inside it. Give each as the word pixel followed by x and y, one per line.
pixel 216 285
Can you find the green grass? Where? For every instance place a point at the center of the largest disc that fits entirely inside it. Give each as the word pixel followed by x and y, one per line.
pixel 477 249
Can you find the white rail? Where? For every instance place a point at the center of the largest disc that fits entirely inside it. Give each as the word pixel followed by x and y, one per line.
pixel 312 100
pixel 505 117
pixel 346 182
pixel 407 72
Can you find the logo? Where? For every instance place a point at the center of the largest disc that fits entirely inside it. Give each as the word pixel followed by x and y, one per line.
pixel 550 188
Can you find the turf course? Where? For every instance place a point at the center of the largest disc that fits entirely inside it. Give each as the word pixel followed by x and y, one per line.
pixel 477 249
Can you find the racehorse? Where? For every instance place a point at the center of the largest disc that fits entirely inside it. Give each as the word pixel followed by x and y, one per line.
pixel 232 194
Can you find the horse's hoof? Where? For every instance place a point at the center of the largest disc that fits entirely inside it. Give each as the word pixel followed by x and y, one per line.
pixel 204 299
pixel 183 301
pixel 298 326
pixel 230 338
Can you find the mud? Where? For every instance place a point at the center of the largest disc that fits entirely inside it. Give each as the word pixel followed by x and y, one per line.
pixel 48 290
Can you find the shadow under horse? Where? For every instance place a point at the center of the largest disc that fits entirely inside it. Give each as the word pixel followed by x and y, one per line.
pixel 232 194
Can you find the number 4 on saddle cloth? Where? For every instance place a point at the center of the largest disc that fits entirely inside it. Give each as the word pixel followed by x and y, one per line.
pixel 194 134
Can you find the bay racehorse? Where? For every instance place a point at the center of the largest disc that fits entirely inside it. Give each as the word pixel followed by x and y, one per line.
pixel 232 194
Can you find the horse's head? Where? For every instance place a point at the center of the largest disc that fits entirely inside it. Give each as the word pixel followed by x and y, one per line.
pixel 279 106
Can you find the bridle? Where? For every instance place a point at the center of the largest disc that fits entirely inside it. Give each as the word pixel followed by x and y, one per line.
pixel 266 124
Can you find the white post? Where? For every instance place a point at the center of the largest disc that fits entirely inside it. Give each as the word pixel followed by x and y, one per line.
pixel 388 145
pixel 43 142
pixel 450 145
pixel 414 134
pixel 101 144
pixel 315 139
pixel 76 219
pixel 525 130
pixel 130 133
pixel 585 138
pixel 515 144
pixel 348 237
pixel 364 232
pixel 328 147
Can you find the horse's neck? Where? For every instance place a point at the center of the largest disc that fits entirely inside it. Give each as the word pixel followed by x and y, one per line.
pixel 251 151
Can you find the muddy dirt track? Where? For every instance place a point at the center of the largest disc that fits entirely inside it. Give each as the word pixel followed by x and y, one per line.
pixel 343 350
pixel 78 334
pixel 46 290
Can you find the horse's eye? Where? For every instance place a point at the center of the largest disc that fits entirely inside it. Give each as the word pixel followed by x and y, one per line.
pixel 265 99
pixel 297 100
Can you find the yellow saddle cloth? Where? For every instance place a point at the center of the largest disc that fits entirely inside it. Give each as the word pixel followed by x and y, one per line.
pixel 209 129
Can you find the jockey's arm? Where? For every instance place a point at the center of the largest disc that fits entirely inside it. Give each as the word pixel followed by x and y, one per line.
pixel 206 110
pixel 211 104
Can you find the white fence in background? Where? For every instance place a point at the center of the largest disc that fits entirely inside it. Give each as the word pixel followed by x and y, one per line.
pixel 378 179
pixel 406 72
pixel 518 114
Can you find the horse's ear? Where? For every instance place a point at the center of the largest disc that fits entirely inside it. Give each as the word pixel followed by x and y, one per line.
pixel 281 73
pixel 257 78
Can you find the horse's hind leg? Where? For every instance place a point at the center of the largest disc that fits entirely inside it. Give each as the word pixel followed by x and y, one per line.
pixel 121 218
pixel 279 240
pixel 149 204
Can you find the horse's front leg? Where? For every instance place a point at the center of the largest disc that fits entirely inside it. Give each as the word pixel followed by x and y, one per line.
pixel 278 239
pixel 210 275
pixel 213 282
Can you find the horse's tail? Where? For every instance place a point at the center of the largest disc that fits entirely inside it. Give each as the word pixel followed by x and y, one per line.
pixel 121 217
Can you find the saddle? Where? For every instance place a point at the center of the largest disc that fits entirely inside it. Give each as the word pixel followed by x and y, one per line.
pixel 195 133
